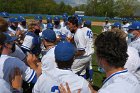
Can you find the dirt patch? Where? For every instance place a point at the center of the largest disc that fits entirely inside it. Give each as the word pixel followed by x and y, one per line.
pixel 93 23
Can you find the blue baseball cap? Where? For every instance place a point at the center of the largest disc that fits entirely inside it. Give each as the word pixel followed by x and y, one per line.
pixel 9 38
pixel 49 18
pixel 4 14
pixel 117 24
pixel 21 19
pixel 87 22
pixel 49 35
pixel 38 17
pixel 56 18
pixel 65 15
pixel 13 20
pixel 49 25
pixel 64 51
pixel 134 26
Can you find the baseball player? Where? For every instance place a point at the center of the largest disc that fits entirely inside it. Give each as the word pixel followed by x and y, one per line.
pixel 32 41
pixel 117 25
pixel 64 16
pixel 106 26
pixel 8 63
pixel 125 25
pixel 89 46
pixel 65 33
pixel 49 19
pixel 48 59
pixel 13 28
pixel 39 20
pixel 118 80
pixel 82 57
pixel 5 15
pixel 22 24
pixel 57 27
pixel 134 35
pixel 50 80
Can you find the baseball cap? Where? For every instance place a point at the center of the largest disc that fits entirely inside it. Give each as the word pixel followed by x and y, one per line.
pixel 56 18
pixel 87 22
pixel 65 15
pixel 134 26
pixel 49 35
pixel 117 24
pixel 21 19
pixel 38 18
pixel 13 20
pixel 49 25
pixel 4 14
pixel 49 18
pixel 64 51
pixel 9 38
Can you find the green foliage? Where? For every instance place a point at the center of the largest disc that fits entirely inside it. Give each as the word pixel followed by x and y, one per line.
pixel 35 7
pixel 108 8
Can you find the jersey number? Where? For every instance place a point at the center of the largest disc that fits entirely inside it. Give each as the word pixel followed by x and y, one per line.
pixel 55 88
pixel 89 34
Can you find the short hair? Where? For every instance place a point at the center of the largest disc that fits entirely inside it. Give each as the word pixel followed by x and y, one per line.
pixel 64 64
pixel 3 25
pixel 2 38
pixel 73 20
pixel 121 33
pixel 112 47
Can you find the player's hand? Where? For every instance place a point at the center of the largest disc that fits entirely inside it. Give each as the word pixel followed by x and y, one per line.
pixel 67 90
pixel 16 79
pixel 18 32
pixel 32 61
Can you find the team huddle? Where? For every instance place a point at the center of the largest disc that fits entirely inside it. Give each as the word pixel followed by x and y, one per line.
pixel 56 57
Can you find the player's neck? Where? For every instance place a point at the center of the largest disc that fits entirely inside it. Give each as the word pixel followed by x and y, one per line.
pixel 50 46
pixel 113 70
pixel 5 52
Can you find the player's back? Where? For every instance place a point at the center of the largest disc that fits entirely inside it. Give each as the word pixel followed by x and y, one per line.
pixel 50 81
pixel 48 60
pixel 89 40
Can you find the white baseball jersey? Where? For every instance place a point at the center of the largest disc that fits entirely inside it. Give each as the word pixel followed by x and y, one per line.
pixel 28 42
pixel 136 44
pixel 43 26
pixel 57 31
pixel 18 53
pixel 80 63
pixel 4 86
pixel 121 82
pixel 22 28
pixel 89 40
pixel 8 63
pixel 125 27
pixel 48 60
pixel 133 61
pixel 66 31
pixel 106 27
pixel 79 39
pixel 13 31
pixel 62 24
pixel 48 82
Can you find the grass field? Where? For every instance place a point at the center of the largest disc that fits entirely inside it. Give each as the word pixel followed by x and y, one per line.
pixel 98 76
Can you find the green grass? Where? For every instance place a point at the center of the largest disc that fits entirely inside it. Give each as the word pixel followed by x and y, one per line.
pixel 97 76
pixel 96 29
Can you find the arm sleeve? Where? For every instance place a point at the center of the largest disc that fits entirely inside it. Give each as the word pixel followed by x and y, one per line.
pixel 28 74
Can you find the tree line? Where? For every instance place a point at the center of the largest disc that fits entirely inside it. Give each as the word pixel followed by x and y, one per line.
pixel 110 8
